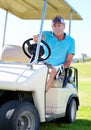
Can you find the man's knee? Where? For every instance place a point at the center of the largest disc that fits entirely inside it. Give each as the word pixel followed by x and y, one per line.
pixel 52 71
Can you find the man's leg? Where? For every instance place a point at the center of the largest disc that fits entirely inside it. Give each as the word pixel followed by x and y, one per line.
pixel 51 76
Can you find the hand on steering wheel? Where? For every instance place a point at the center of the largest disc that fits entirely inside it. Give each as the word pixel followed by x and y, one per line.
pixel 30 50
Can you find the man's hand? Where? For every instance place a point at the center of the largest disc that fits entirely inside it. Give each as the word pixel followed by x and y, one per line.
pixel 35 38
pixel 59 70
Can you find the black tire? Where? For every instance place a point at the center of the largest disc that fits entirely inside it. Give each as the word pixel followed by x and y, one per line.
pixel 25 117
pixel 6 112
pixel 71 111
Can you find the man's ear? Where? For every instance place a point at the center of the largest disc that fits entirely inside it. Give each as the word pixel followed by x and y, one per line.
pixel 64 25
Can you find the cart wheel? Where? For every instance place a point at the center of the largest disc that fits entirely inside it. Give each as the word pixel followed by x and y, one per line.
pixel 25 117
pixel 71 111
pixel 6 112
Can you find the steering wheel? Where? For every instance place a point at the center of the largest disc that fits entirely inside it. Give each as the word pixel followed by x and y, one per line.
pixel 30 50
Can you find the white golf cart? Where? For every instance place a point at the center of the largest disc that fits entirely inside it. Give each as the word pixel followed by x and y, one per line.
pixel 24 102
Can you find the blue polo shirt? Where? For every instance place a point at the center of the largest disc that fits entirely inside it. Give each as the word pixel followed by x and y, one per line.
pixel 59 49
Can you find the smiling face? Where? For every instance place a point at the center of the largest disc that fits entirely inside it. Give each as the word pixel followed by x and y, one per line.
pixel 58 28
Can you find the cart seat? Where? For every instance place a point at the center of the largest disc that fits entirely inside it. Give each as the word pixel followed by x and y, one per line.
pixel 13 53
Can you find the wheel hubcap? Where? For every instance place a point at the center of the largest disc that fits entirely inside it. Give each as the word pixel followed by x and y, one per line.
pixel 25 122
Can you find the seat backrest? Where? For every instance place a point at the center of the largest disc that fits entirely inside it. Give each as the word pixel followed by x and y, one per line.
pixel 13 53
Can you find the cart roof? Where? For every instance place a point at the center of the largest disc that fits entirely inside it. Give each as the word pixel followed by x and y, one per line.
pixel 32 9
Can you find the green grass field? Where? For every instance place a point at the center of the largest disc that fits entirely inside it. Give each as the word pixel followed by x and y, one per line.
pixel 83 121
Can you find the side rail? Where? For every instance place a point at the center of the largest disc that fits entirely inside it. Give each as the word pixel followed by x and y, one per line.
pixel 71 76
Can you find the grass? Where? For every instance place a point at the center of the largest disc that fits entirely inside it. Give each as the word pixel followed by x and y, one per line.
pixel 83 121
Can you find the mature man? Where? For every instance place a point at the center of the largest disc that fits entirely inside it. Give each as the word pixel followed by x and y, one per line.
pixel 62 48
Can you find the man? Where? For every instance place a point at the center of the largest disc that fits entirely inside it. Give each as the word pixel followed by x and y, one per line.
pixel 62 48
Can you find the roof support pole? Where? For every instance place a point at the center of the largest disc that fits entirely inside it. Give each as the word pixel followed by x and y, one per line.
pixel 70 21
pixel 41 28
pixel 5 26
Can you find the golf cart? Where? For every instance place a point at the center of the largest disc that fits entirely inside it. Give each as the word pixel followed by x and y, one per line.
pixel 24 102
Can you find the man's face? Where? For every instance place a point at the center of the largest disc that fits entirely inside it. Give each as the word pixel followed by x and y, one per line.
pixel 58 28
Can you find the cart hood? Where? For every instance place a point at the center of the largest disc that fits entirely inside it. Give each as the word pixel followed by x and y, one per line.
pixel 21 77
pixel 32 9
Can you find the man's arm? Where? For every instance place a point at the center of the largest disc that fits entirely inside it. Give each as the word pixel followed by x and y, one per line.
pixel 68 60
